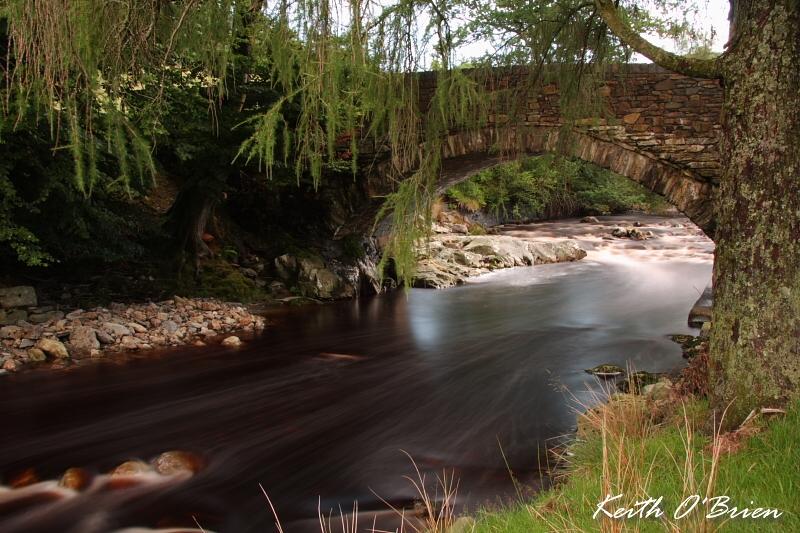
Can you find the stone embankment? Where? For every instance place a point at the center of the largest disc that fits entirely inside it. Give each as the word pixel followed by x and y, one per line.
pixel 58 337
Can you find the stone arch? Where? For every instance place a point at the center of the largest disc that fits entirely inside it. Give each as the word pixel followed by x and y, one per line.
pixel 467 153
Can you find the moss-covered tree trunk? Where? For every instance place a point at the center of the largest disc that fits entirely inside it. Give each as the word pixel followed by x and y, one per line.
pixel 755 342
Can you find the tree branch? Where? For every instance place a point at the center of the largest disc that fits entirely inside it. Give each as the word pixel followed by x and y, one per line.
pixel 698 68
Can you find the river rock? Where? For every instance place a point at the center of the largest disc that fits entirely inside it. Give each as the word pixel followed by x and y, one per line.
pixel 23 479
pixel 118 330
pixel 132 468
pixel 35 355
pixel 75 479
pixel 658 391
pixel 637 381
pixel 606 371
pixel 53 348
pixel 138 328
pixel 631 233
pixel 41 318
pixel 10 365
pixel 21 296
pixel 232 341
pixel 590 220
pixel 11 332
pixel 177 462
pixel 14 316
pixel 83 340
pixel 103 337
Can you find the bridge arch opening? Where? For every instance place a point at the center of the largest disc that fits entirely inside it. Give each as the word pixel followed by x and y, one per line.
pixel 467 155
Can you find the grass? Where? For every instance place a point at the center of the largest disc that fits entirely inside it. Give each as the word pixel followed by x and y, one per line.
pixel 640 449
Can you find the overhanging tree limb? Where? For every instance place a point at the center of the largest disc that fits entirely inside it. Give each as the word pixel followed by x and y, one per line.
pixel 698 68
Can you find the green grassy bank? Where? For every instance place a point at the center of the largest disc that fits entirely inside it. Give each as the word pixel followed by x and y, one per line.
pixel 644 449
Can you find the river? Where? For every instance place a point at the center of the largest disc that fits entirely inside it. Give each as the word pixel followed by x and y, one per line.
pixel 320 409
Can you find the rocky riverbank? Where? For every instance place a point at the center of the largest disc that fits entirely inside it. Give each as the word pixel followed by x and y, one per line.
pixel 460 249
pixel 59 338
pixel 450 259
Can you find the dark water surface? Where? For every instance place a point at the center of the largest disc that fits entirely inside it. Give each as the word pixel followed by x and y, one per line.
pixel 449 377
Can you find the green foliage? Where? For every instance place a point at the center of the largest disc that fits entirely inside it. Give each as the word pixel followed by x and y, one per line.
pixel 550 186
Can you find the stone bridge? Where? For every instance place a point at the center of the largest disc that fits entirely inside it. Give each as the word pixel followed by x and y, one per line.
pixel 660 129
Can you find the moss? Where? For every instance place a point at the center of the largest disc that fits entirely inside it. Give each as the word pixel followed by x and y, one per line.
pixel 220 279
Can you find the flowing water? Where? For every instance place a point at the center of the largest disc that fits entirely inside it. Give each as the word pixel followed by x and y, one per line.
pixel 321 408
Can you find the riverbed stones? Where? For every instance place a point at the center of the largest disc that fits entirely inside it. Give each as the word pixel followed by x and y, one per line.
pixel 53 348
pixel 20 296
pixel 590 220
pixel 136 327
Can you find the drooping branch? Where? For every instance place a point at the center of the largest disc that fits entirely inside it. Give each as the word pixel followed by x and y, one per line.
pixel 698 68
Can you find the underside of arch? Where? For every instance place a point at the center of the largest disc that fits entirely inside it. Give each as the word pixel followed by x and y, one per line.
pixel 467 153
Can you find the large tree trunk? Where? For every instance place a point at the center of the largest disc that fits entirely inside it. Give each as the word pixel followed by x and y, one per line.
pixel 755 341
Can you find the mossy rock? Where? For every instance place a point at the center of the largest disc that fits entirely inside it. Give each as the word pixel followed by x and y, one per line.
pixel 606 371
pixel 220 279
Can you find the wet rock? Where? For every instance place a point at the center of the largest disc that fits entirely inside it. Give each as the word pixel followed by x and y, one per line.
pixel 631 233
pixel 701 311
pixel 83 340
pixel 132 468
pixel 10 365
pixel 35 355
pixel 53 348
pixel 590 220
pixel 75 479
pixel 177 462
pixel 21 296
pixel 23 479
pixel 232 341
pixel 606 371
